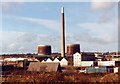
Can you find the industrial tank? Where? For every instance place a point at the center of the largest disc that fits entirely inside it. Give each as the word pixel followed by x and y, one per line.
pixel 73 48
pixel 44 49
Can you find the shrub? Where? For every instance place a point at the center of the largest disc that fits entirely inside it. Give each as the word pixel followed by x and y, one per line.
pixel 40 77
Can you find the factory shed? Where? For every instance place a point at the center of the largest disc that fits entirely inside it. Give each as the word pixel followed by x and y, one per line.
pixel 96 69
pixel 7 68
pixel 43 61
pixel 44 67
pixel 117 63
pixel 56 60
pixel 106 63
pixel 60 58
pixel 49 60
pixel 42 58
pixel 88 56
pixel 84 56
pixel 63 62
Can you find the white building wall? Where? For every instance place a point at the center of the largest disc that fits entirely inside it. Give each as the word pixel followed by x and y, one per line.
pixel 63 62
pixel 106 63
pixel 96 55
pixel 115 59
pixel 6 59
pixel 77 59
pixel 87 63
pixel 42 61
pixel 116 69
pixel 56 60
pixel 49 60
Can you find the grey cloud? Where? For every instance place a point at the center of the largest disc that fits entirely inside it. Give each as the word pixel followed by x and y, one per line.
pixel 89 39
pixel 106 8
pixel 52 24
pixel 107 17
pixel 10 6
pixel 27 42
pixel 27 37
pixel 103 6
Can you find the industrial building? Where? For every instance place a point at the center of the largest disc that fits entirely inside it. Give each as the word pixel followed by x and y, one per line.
pixel 44 49
pixel 44 67
pixel 62 61
pixel 47 61
pixel 106 63
pixel 73 48
pixel 96 69
pixel 84 56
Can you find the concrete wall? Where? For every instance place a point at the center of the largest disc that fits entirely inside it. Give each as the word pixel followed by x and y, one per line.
pixel 106 63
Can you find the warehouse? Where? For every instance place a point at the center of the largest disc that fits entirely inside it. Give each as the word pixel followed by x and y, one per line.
pixel 84 56
pixel 61 60
pixel 83 59
pixel 96 69
pixel 106 63
pixel 44 67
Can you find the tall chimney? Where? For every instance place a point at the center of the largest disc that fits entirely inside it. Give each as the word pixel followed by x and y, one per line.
pixel 63 34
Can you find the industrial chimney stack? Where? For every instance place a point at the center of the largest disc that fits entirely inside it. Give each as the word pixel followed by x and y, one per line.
pixel 63 34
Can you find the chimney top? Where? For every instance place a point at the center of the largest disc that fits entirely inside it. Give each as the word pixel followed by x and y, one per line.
pixel 62 10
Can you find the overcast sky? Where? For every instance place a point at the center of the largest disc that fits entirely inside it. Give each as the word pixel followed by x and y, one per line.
pixel 93 25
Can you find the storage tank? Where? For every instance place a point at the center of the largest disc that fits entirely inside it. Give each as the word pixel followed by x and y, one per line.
pixel 73 48
pixel 44 49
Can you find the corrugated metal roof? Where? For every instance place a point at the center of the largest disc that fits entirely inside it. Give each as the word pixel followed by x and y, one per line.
pixel 44 67
pixel 96 69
